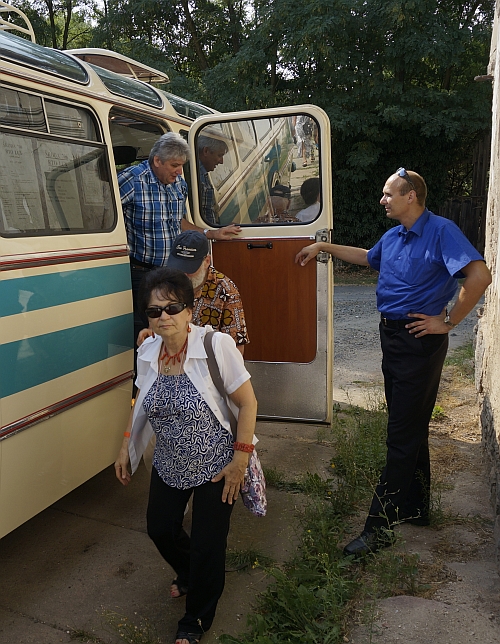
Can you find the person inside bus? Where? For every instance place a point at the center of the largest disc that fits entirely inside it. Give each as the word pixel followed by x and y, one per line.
pixel 303 132
pixel 153 195
pixel 210 154
pixel 178 401
pixel 217 299
pixel 310 193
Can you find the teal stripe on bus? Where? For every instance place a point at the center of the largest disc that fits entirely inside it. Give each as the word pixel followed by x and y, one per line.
pixel 37 360
pixel 43 291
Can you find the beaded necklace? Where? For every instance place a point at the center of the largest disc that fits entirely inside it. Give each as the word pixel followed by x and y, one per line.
pixel 172 360
pixel 179 357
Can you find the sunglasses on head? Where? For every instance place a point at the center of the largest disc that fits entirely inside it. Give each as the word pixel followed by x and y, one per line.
pixel 170 309
pixel 401 172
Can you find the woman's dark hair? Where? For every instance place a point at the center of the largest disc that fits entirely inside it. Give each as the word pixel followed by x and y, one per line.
pixel 168 282
pixel 309 191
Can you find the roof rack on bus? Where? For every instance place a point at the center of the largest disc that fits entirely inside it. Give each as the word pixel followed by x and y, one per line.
pixel 119 64
pixel 6 24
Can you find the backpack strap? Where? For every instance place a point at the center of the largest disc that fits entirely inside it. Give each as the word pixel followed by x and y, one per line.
pixel 214 370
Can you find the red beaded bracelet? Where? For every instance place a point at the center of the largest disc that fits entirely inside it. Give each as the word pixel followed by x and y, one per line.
pixel 243 447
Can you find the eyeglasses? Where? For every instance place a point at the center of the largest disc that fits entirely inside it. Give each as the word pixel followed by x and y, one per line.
pixel 401 172
pixel 170 309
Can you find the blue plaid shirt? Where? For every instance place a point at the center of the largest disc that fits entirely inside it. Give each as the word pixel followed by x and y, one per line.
pixel 153 212
pixel 208 206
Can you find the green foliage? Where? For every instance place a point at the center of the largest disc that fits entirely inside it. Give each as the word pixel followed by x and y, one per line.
pixel 62 25
pixel 310 598
pixel 359 454
pixel 438 413
pixel 130 633
pixel 463 359
pixel 244 559
pixel 394 76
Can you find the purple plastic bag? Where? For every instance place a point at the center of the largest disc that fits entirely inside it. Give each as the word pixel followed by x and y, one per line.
pixel 253 491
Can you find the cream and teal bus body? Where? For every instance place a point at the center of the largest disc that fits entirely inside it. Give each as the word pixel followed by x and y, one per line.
pixel 66 353
pixel 67 125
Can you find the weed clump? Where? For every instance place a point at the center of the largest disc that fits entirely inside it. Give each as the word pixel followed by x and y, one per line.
pixel 312 596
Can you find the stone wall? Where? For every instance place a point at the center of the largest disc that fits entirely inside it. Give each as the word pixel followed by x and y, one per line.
pixel 488 338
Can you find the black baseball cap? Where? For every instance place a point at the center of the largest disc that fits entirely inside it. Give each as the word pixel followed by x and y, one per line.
pixel 188 251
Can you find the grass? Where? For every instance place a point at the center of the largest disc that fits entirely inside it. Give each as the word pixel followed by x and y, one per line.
pixel 462 359
pixel 438 413
pixel 130 633
pixel 245 559
pixel 312 597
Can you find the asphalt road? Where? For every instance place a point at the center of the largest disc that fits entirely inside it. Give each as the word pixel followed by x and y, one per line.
pixel 357 358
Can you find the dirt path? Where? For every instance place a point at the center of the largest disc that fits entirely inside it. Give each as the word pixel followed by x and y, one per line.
pixel 62 572
pixel 460 593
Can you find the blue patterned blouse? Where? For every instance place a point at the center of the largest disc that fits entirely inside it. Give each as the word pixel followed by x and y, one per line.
pixel 191 444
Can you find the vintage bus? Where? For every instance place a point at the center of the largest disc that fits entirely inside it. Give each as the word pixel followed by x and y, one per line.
pixel 67 125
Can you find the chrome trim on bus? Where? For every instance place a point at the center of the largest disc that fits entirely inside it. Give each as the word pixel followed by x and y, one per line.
pixel 16 262
pixel 52 410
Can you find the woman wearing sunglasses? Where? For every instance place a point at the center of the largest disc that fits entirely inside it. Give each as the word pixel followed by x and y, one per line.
pixel 195 452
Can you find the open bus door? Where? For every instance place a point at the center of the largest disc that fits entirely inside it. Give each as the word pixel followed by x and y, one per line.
pixel 269 154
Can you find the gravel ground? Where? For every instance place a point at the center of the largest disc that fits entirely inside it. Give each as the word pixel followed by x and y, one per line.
pixel 357 346
pixel 462 602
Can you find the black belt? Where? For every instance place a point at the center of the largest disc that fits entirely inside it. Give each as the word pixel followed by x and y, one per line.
pixel 141 266
pixel 394 324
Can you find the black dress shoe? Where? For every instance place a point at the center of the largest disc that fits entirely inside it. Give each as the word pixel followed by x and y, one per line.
pixel 366 543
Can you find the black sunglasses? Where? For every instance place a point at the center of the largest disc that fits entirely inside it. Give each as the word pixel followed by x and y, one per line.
pixel 401 172
pixel 170 309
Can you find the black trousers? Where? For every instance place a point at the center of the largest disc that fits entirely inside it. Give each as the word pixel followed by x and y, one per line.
pixel 137 274
pixel 412 371
pixel 199 561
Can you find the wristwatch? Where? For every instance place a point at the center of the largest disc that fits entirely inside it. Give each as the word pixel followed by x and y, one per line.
pixel 206 231
pixel 448 321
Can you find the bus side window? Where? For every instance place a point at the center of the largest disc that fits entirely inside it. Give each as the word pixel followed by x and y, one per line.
pixel 52 183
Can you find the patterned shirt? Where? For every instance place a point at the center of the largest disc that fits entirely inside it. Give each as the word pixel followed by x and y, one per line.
pixel 209 208
pixel 153 212
pixel 220 306
pixel 191 444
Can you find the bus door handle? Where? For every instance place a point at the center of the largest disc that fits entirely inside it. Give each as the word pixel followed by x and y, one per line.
pixel 268 245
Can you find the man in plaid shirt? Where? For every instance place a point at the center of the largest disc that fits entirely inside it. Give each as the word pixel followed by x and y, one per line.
pixel 210 154
pixel 153 195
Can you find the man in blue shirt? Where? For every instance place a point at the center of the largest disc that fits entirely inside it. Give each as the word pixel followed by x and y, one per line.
pixel 153 195
pixel 419 262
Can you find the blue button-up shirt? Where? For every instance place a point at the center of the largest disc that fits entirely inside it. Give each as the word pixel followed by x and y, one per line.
pixel 419 267
pixel 153 212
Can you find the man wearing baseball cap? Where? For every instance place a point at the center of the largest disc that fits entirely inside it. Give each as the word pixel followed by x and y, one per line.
pixel 217 299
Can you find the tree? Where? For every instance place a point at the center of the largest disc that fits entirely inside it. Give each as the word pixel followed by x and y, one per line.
pixel 394 76
pixel 60 24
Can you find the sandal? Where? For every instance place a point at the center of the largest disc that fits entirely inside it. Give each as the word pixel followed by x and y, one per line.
pixel 192 638
pixel 182 590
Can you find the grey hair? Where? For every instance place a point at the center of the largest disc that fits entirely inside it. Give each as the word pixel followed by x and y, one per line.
pixel 214 145
pixel 169 146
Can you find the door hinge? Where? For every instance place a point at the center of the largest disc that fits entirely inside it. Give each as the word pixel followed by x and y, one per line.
pixel 323 235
